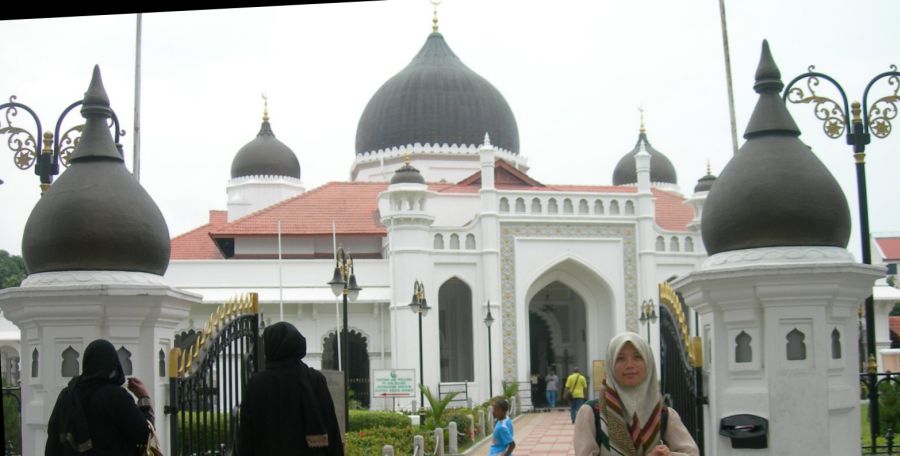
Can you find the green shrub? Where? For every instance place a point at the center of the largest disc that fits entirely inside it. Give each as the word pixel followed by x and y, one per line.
pixel 366 419
pixel 369 442
pixel 889 406
pixel 207 429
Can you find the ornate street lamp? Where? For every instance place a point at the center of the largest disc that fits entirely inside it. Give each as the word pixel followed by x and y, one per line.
pixel 648 315
pixel 24 144
pixel 867 120
pixel 344 283
pixel 488 321
pixel 419 305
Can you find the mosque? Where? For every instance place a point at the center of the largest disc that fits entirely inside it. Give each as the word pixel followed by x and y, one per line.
pixel 440 193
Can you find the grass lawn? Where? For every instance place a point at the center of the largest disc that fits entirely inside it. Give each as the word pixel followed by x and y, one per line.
pixel 866 437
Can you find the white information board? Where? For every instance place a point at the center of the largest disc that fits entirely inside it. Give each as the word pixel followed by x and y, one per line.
pixel 394 382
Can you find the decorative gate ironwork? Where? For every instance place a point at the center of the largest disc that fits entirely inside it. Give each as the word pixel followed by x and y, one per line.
pixel 681 360
pixel 206 381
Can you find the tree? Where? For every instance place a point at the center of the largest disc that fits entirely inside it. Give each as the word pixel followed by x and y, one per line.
pixel 12 270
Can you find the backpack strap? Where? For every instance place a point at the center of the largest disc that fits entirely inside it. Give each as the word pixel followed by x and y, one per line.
pixel 601 437
pixel 663 423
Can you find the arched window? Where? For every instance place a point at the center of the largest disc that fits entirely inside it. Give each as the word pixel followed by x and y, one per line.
pixel 583 207
pixel 674 244
pixel 660 244
pixel 470 241
pixel 743 352
pixel 70 366
pixel 567 206
pixel 535 206
pixel 614 207
pixel 520 206
pixel 162 363
pixel 688 244
pixel 439 241
pixel 125 359
pixel 629 208
pixel 34 362
pixel 598 207
pixel 835 344
pixel 796 348
pixel 504 205
pixel 455 323
pixel 551 207
pixel 454 241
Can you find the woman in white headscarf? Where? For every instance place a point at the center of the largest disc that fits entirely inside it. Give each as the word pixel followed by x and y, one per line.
pixel 629 417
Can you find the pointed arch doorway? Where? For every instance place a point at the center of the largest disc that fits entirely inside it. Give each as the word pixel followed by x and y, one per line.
pixel 359 363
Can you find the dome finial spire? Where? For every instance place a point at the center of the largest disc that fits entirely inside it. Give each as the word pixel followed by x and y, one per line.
pixel 641 109
pixel 708 168
pixel 265 107
pixel 434 21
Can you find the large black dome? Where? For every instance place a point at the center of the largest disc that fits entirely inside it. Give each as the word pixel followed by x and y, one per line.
pixel 661 169
pixel 775 192
pixel 436 99
pixel 96 216
pixel 265 156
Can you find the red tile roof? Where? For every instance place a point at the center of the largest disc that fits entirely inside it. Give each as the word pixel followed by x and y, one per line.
pixel 354 208
pixel 671 212
pixel 890 247
pixel 196 244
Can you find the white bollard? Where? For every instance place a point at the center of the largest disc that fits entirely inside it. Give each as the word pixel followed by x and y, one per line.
pixel 452 438
pixel 418 446
pixel 438 442
pixel 513 407
pixel 387 451
pixel 481 422
pixel 470 427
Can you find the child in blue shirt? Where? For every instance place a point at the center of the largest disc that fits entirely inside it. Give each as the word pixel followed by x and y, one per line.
pixel 503 443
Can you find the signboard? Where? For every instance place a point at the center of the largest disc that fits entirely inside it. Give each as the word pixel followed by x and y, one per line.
pixel 599 370
pixel 394 382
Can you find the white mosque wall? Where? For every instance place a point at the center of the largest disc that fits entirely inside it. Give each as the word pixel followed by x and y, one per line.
pixel 306 246
pixel 454 209
pixel 437 163
pixel 251 193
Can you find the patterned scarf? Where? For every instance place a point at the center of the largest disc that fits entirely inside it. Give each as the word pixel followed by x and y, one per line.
pixel 626 435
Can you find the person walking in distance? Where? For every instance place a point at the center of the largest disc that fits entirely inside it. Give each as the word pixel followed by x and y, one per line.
pixel 552 387
pixel 576 386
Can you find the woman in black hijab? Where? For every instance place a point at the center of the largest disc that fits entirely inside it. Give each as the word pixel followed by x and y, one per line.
pixel 287 409
pixel 94 415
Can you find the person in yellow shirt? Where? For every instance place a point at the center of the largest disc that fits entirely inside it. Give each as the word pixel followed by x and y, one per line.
pixel 576 386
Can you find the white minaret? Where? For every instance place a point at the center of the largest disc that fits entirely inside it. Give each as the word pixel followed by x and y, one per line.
pixel 404 212
pixel 778 297
pixel 96 247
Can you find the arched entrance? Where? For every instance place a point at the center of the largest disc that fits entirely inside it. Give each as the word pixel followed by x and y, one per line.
pixel 359 363
pixel 572 314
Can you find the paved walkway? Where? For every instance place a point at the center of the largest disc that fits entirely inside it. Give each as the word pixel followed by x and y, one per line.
pixel 544 434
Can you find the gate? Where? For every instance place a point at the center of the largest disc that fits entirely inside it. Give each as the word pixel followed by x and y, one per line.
pixel 681 375
pixel 206 381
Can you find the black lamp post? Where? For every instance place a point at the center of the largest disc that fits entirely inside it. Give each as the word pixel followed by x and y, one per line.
pixel 867 120
pixel 648 315
pixel 344 283
pixel 24 144
pixel 488 321
pixel 419 305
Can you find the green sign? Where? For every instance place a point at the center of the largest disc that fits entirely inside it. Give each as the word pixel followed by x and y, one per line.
pixel 394 382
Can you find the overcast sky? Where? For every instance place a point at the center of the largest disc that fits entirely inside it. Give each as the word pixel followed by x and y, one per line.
pixel 573 72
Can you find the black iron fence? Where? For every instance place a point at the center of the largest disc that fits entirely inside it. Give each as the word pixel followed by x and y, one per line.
pixel 881 409
pixel 11 420
pixel 206 381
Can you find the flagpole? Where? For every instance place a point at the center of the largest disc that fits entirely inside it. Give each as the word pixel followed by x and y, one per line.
pixel 280 283
pixel 734 140
pixel 337 302
pixel 136 163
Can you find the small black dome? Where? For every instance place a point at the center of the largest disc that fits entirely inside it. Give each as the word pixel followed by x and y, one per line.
pixel 407 175
pixel 436 99
pixel 705 183
pixel 96 216
pixel 265 156
pixel 661 169
pixel 775 192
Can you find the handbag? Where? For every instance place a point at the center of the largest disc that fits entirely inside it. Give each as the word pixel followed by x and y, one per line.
pixel 152 447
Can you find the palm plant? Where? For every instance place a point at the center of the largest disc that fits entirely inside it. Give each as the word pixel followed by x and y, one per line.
pixel 435 417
